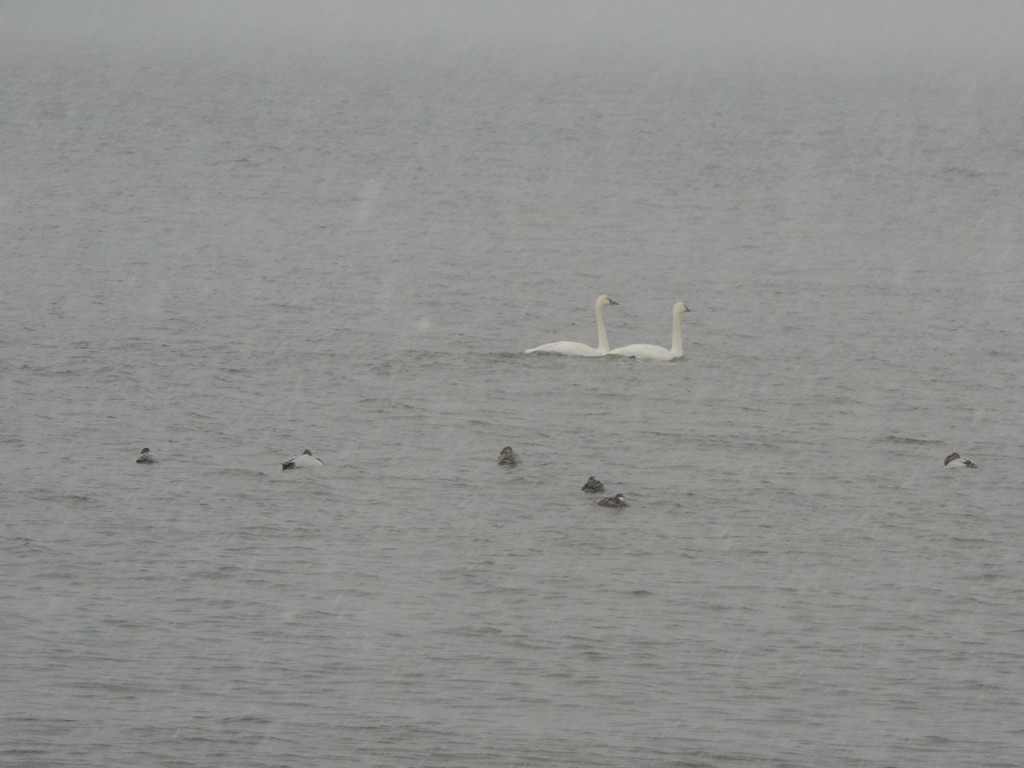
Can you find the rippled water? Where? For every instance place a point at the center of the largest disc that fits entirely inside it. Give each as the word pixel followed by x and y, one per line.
pixel 231 253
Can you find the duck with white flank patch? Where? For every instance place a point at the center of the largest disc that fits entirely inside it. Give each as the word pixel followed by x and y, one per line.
pixel 146 457
pixel 618 501
pixel 305 460
pixel 956 461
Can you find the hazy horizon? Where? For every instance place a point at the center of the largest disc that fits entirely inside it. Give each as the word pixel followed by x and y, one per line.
pixel 990 30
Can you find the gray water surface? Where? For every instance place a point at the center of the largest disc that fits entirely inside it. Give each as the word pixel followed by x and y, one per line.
pixel 231 249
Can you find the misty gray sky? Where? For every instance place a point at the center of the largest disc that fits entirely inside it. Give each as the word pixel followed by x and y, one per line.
pixel 900 27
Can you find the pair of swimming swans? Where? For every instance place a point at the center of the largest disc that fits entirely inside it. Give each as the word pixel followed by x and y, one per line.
pixel 637 351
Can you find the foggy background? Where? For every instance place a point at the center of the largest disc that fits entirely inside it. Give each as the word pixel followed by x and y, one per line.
pixel 232 231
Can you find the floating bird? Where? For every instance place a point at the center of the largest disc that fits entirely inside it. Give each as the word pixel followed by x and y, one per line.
pixel 508 457
pixel 146 457
pixel 653 351
pixel 578 349
pixel 618 501
pixel 593 485
pixel 956 461
pixel 305 460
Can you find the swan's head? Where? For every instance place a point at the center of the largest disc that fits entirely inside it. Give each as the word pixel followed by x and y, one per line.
pixel 604 300
pixel 678 308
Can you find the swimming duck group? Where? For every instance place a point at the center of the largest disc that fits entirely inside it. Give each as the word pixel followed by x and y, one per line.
pixel 509 458
pixel 305 460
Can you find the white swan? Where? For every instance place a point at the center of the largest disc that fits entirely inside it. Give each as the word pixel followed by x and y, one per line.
pixel 653 351
pixel 305 460
pixel 578 349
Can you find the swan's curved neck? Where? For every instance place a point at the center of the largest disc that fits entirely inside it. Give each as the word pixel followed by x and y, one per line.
pixel 677 335
pixel 602 335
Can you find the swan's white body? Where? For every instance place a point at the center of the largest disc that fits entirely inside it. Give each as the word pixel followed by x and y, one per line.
pixel 653 351
pixel 305 460
pixel 956 461
pixel 578 349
